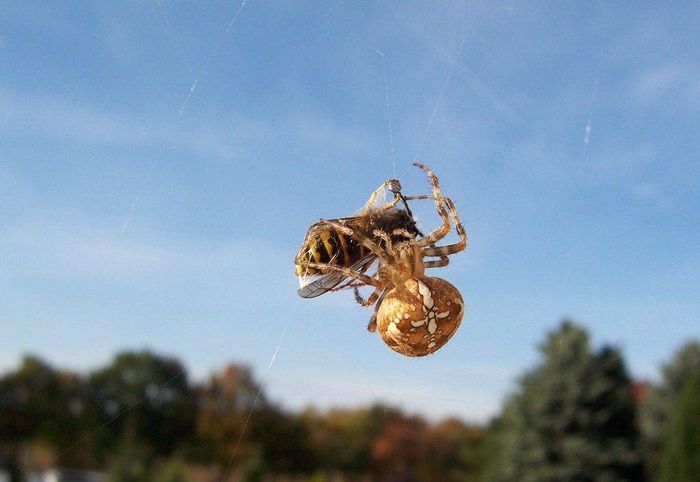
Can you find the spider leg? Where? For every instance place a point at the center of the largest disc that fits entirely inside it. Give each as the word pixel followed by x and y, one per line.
pixel 438 263
pixel 383 255
pixel 376 299
pixel 403 232
pixel 389 246
pixel 443 259
pixel 372 299
pixel 348 284
pixel 372 325
pixel 354 283
pixel 440 232
pixel 419 196
pixel 450 248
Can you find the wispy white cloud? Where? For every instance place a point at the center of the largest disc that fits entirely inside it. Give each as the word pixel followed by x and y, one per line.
pixel 75 251
pixel 68 123
pixel 314 130
pixel 657 79
pixel 64 122
pixel 78 252
pixel 676 83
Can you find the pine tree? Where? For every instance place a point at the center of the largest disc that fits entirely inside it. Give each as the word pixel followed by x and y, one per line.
pixel 656 410
pixel 681 456
pixel 573 418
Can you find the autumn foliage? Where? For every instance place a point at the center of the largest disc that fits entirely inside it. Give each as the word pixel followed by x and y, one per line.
pixel 141 419
pixel 576 415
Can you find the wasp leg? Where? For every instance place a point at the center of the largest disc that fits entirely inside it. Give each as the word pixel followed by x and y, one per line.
pixel 392 185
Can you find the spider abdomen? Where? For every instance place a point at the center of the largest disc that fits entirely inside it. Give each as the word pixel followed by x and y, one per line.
pixel 420 316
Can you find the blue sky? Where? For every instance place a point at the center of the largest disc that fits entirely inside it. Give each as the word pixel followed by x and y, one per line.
pixel 158 173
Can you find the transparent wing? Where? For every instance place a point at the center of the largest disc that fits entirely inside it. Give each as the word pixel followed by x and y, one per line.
pixel 383 196
pixel 325 283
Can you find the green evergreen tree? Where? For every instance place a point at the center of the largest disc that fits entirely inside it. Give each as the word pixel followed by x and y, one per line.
pixel 657 408
pixel 573 418
pixel 681 456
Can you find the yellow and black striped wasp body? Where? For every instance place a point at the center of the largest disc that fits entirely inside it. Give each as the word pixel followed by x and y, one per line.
pixel 327 246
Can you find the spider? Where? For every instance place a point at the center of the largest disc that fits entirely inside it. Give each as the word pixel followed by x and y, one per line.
pixel 414 314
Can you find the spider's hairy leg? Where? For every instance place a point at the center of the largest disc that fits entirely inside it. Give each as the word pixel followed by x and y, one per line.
pixel 443 259
pixel 432 178
pixel 440 232
pixel 348 284
pixel 372 325
pixel 423 197
pixel 388 245
pixel 363 278
pixel 403 232
pixel 419 197
pixel 383 255
pixel 438 263
pixel 358 297
pixel 443 251
pixel 372 299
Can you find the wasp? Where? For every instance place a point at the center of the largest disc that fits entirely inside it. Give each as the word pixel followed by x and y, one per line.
pixel 325 247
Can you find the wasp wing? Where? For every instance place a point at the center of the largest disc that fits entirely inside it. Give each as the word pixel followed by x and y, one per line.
pixel 327 282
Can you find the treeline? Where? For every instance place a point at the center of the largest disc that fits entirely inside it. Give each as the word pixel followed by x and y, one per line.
pixel 141 419
pixel 577 415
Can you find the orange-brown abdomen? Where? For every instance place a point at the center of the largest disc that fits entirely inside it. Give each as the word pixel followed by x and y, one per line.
pixel 420 316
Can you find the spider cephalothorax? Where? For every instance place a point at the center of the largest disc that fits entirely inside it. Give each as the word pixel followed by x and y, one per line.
pixel 414 314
